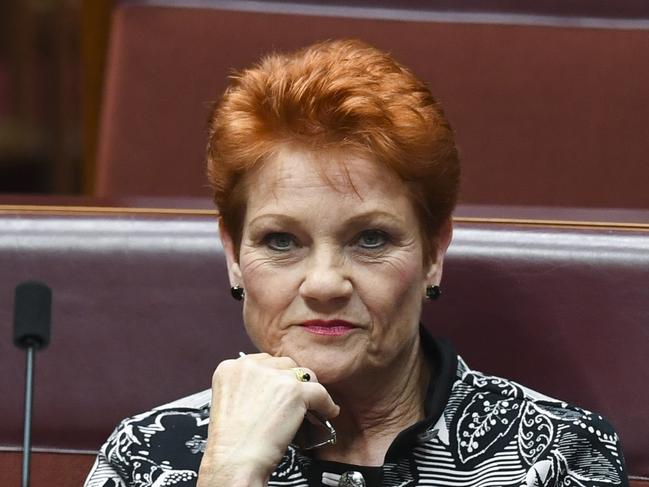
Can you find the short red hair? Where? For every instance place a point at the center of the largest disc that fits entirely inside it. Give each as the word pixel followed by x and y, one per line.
pixel 333 95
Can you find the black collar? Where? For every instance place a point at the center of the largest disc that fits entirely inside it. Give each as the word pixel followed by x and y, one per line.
pixel 443 361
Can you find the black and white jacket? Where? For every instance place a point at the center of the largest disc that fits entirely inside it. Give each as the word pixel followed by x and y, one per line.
pixel 480 431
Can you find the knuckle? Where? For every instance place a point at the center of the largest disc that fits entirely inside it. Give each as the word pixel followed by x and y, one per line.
pixel 223 368
pixel 290 362
pixel 283 362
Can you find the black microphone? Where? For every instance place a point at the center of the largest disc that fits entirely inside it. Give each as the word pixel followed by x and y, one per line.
pixel 32 315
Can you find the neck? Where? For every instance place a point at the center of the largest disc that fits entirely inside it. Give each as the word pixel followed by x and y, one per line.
pixel 373 415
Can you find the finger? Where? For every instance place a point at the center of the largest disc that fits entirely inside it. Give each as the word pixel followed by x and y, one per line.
pixel 269 360
pixel 283 362
pixel 318 399
pixel 303 374
pixel 255 357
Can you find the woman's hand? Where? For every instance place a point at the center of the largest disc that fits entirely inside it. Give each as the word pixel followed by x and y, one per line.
pixel 258 404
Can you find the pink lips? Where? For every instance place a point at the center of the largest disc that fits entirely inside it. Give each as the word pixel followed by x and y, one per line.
pixel 328 328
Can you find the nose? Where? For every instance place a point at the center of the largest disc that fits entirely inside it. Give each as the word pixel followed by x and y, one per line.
pixel 326 277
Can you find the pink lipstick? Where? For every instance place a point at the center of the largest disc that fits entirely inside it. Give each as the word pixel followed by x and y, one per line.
pixel 328 328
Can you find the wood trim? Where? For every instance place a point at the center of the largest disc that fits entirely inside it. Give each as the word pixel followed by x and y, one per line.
pixel 111 210
pixel 49 450
pixel 95 30
pixel 577 224
pixel 101 210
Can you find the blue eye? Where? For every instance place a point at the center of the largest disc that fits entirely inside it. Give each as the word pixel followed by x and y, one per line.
pixel 372 239
pixel 279 241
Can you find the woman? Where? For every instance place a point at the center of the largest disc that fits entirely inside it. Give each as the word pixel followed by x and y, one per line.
pixel 335 174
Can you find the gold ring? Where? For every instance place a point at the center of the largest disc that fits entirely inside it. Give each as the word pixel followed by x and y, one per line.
pixel 301 374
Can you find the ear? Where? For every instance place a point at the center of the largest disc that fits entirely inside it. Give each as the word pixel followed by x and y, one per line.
pixel 440 245
pixel 231 259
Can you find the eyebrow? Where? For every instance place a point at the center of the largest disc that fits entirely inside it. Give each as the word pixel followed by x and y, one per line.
pixel 274 217
pixel 360 219
pixel 368 217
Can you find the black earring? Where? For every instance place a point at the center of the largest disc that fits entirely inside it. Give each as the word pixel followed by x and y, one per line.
pixel 237 293
pixel 433 292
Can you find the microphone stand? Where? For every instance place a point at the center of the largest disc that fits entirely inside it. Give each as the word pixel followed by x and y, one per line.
pixel 32 316
pixel 29 398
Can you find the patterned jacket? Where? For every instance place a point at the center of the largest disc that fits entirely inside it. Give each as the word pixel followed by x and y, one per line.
pixel 480 431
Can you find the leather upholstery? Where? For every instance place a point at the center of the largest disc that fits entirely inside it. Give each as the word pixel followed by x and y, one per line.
pixel 142 315
pixel 556 115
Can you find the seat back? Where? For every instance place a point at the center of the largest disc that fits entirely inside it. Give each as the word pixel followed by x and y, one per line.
pixel 142 315
pixel 555 114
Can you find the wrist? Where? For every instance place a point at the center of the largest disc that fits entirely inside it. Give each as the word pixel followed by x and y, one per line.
pixel 231 474
pixel 230 477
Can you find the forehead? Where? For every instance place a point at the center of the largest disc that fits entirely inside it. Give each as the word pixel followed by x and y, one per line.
pixel 293 174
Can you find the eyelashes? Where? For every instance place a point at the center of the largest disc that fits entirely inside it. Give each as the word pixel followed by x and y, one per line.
pixel 372 239
pixel 367 240
pixel 279 241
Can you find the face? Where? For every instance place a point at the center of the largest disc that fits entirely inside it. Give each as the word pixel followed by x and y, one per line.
pixel 333 272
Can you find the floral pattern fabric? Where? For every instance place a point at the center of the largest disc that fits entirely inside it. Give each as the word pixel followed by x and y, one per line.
pixel 491 432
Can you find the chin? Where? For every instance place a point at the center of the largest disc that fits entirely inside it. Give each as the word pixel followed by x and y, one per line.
pixel 333 359
pixel 330 377
pixel 331 366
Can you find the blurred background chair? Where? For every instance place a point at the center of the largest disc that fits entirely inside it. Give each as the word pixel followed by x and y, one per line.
pixel 549 102
pixel 550 115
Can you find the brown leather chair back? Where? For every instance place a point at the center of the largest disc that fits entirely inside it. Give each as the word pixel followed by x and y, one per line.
pixel 544 115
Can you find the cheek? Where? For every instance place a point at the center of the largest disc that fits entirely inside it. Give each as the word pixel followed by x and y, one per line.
pixel 393 298
pixel 268 285
pixel 394 291
pixel 269 293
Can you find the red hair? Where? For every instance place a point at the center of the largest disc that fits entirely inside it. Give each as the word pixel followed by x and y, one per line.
pixel 333 95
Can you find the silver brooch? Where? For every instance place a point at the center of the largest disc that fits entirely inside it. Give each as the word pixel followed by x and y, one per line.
pixel 351 479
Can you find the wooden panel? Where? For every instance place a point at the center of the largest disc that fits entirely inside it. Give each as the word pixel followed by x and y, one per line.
pixel 47 469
